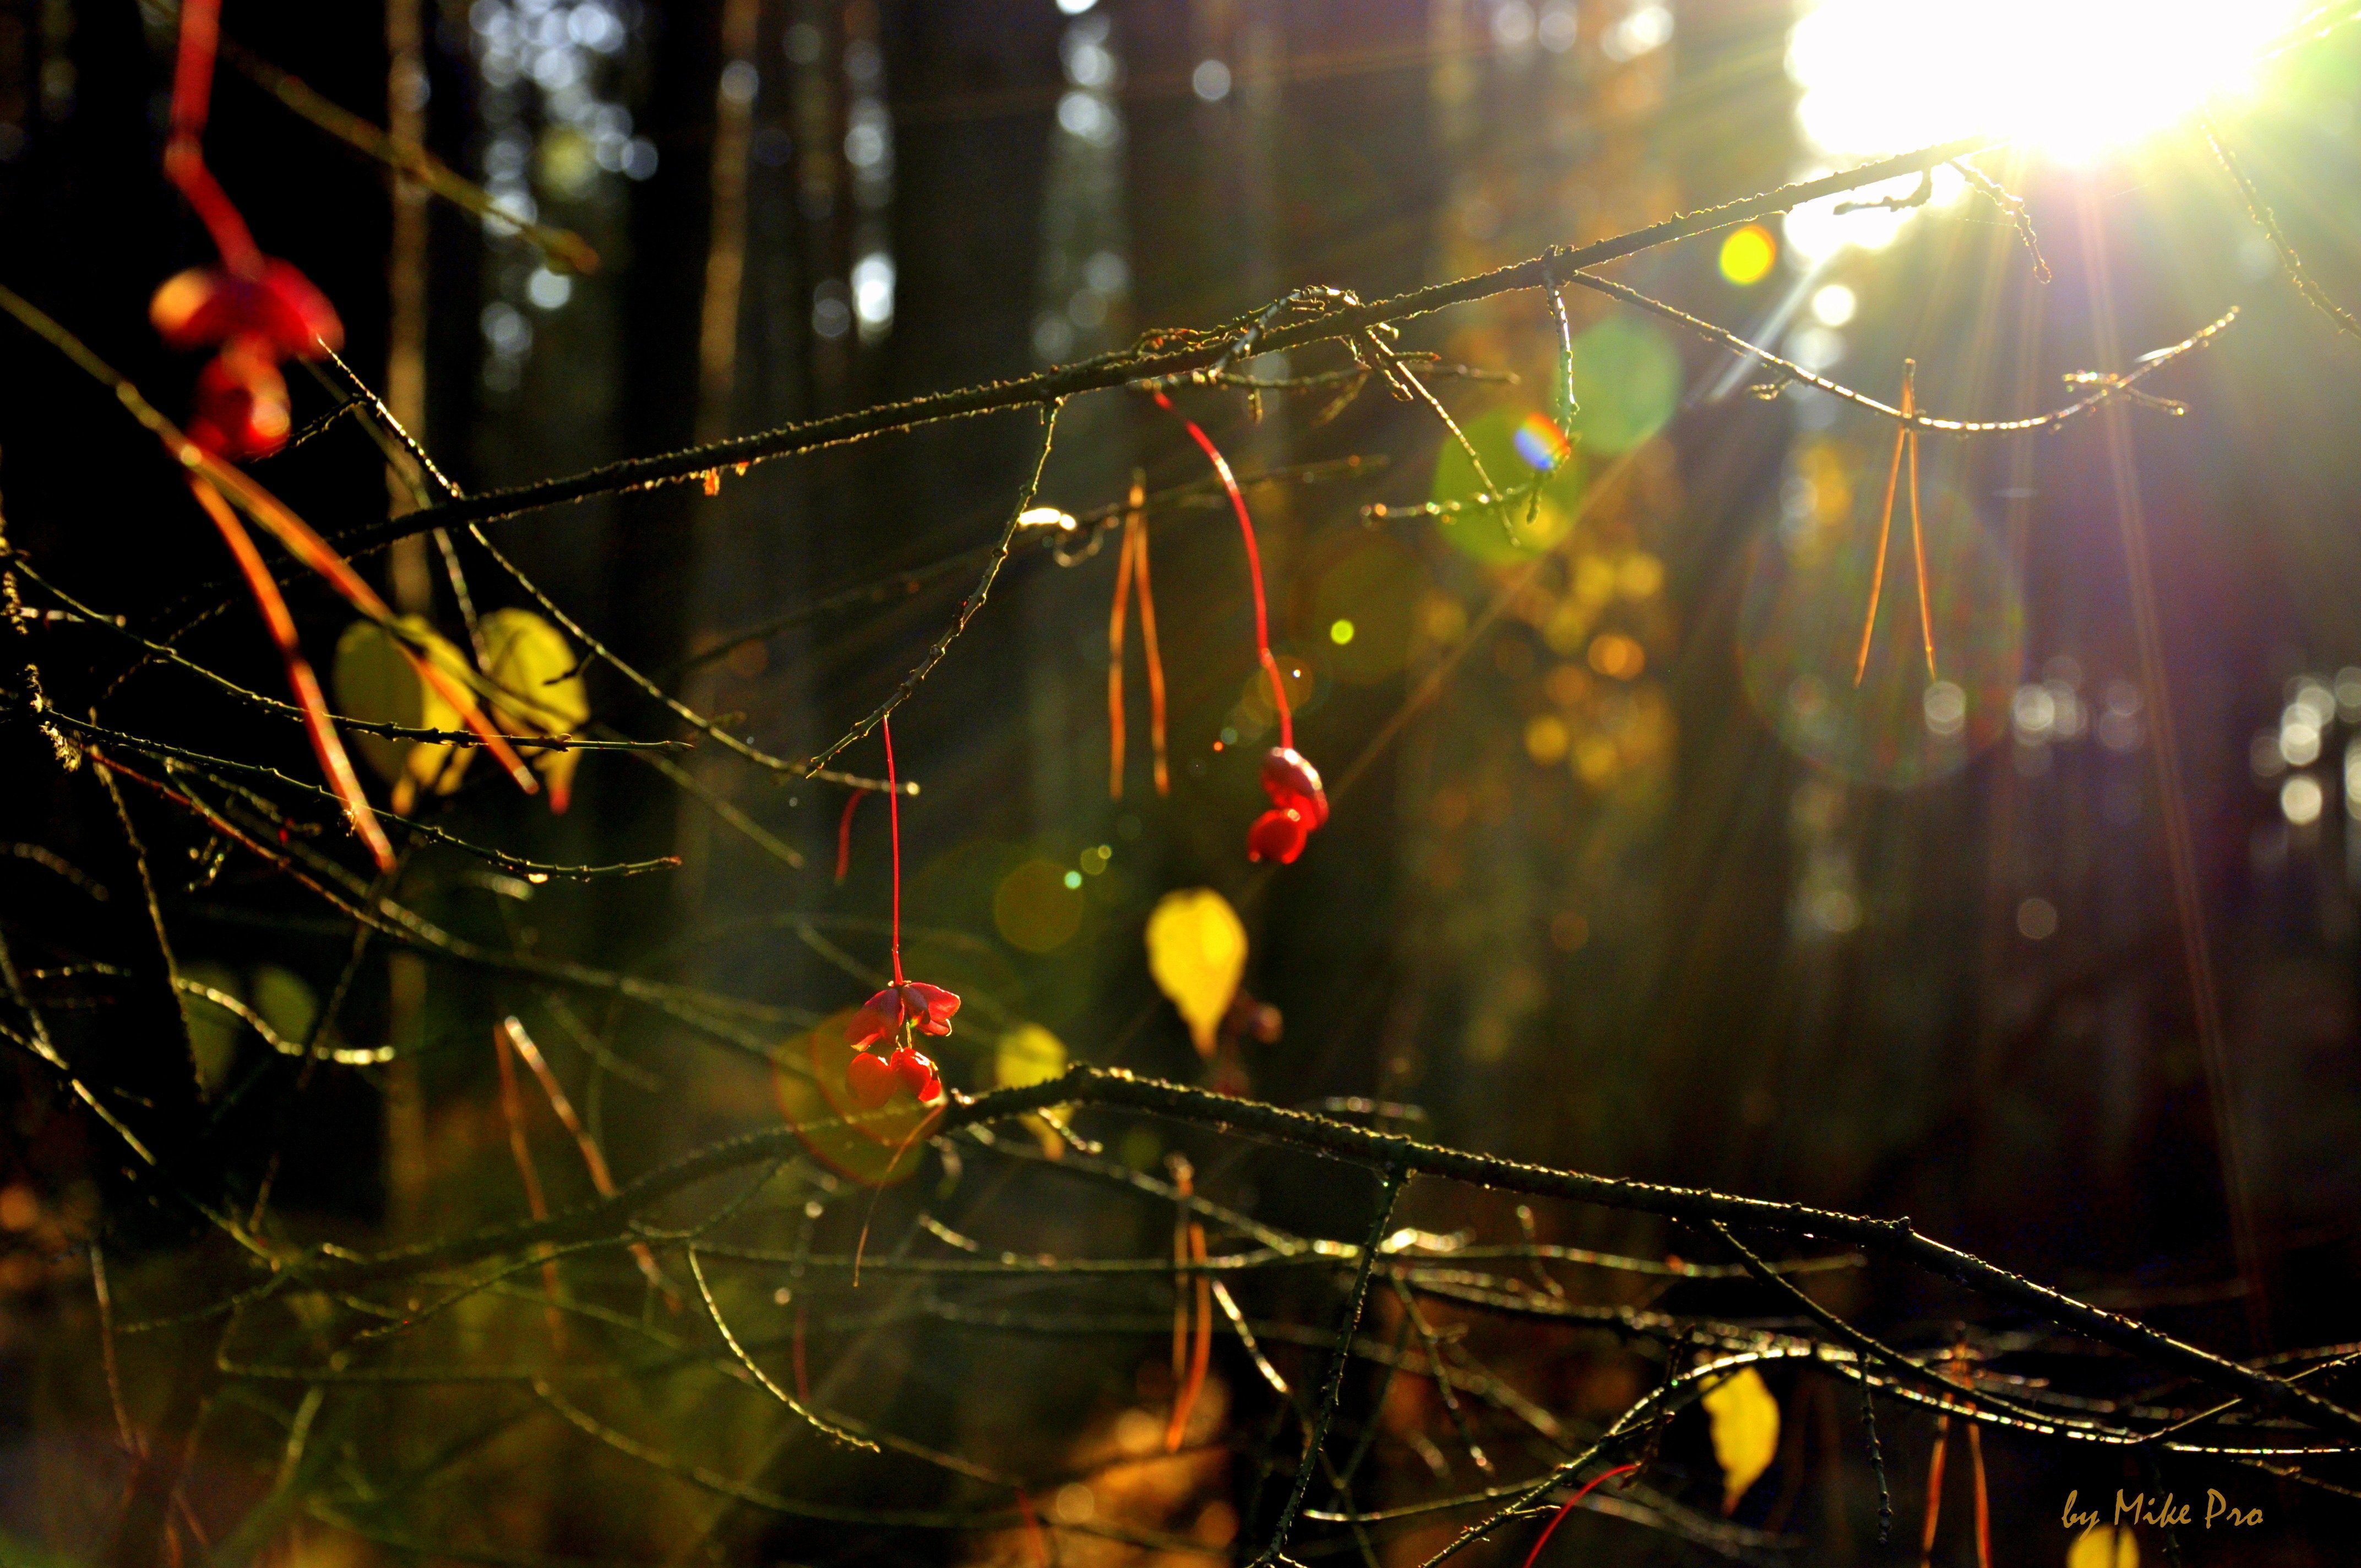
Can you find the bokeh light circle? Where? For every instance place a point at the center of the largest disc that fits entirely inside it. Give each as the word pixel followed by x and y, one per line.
pixel 1036 909
pixel 1627 376
pixel 1367 595
pixel 1748 255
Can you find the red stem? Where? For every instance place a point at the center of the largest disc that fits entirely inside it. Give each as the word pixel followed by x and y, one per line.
pixel 894 815
pixel 1549 1528
pixel 184 157
pixel 1253 566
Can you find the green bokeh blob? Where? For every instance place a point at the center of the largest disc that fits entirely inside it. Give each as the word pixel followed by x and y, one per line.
pixel 1627 377
pixel 1524 528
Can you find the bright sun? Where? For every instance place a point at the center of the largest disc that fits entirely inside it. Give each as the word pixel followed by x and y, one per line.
pixel 2074 77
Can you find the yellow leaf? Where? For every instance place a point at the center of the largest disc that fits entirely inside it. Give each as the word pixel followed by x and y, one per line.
pixel 1197 952
pixel 530 662
pixel 1029 1054
pixel 2104 1546
pixel 1745 1431
pixel 375 682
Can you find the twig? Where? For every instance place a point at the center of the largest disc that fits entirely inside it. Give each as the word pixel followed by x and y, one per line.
pixel 1085 1084
pixel 2109 385
pixel 407 158
pixel 2268 221
pixel 967 610
pixel 1391 1179
pixel 1123 367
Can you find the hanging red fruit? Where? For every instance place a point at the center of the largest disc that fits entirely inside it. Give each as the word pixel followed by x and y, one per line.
pixel 903 1010
pixel 1293 784
pixel 207 305
pixel 239 411
pixel 260 311
pixel 1277 835
pixel 904 1004
pixel 872 1080
pixel 1299 804
pixel 916 1073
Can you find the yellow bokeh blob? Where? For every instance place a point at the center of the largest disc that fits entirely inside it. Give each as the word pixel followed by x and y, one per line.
pixel 1747 254
pixel 1034 909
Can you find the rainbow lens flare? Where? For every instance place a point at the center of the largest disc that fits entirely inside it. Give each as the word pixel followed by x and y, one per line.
pixel 1541 444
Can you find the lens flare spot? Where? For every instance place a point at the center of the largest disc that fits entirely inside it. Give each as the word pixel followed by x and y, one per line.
pixel 1748 255
pixel 1036 909
pixel 1542 444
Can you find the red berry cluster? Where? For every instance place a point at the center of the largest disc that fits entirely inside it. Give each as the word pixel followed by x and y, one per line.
pixel 906 1007
pixel 255 323
pixel 1298 805
pixel 875 1080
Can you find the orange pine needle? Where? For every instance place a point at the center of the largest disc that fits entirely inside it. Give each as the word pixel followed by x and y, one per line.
pixel 1133 567
pixel 1114 654
pixel 316 553
pixel 592 1157
pixel 1918 545
pixel 1033 1531
pixel 1191 1353
pixel 1181 1178
pixel 536 1202
pixel 333 762
pixel 1155 658
pixel 1885 518
pixel 1933 1490
pixel 1983 1498
pixel 1200 1354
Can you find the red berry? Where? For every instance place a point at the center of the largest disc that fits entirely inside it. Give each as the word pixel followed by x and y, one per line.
pixel 1277 835
pixel 872 1080
pixel 205 306
pixel 916 1073
pixel 240 409
pixel 1292 783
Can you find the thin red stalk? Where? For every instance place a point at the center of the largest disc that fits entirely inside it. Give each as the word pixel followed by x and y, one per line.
pixel 184 158
pixel 844 836
pixel 333 762
pixel 1550 1529
pixel 1253 565
pixel 893 816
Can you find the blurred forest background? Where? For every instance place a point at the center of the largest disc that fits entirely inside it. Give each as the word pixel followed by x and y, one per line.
pixel 1621 875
